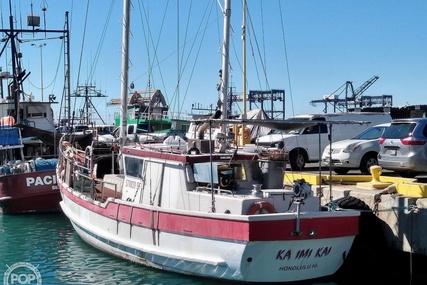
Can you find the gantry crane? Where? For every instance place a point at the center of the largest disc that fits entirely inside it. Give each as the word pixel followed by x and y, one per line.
pixel 354 97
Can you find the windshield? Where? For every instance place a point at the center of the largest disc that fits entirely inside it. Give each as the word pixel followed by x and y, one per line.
pixel 279 132
pixel 371 133
pixel 143 128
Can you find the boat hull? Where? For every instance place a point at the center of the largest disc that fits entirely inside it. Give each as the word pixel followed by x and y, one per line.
pixel 228 247
pixel 29 192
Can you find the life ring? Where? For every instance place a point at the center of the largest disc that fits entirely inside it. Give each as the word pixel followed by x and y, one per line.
pixel 246 134
pixel 261 207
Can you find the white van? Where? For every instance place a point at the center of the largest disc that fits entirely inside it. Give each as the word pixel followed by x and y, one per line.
pixel 307 145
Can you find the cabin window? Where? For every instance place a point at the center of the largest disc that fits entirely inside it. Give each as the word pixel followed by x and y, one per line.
pixel 225 175
pixel 130 129
pixel 133 166
pixel 36 112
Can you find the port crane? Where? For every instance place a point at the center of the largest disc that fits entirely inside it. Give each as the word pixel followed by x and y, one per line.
pixel 354 97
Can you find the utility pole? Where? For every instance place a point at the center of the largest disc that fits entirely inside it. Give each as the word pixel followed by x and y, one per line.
pixel 41 65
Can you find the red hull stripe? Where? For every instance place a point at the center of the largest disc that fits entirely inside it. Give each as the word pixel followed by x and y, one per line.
pixel 227 229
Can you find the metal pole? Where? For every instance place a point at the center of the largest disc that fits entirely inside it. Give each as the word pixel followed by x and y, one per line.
pixel 41 68
pixel 225 55
pixel 124 73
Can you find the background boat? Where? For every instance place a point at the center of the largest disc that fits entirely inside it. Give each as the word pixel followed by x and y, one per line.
pixel 27 179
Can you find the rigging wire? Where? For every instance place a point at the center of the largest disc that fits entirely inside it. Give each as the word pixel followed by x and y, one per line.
pixel 263 42
pixel 286 59
pixel 100 43
pixel 205 18
pixel 151 43
pixel 81 52
pixel 159 62
pixel 56 72
pixel 248 31
pixel 264 72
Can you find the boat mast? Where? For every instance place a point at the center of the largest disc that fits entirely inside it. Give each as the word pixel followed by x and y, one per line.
pixel 14 92
pixel 225 59
pixel 244 57
pixel 124 73
pixel 244 116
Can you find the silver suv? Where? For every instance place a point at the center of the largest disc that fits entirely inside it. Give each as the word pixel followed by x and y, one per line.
pixel 403 147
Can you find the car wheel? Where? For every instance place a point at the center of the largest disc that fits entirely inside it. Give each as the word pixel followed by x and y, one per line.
pixel 297 160
pixel 341 171
pixel 368 160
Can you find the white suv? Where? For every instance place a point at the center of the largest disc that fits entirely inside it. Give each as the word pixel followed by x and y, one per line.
pixel 359 152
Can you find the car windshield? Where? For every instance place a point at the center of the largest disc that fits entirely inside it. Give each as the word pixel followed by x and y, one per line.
pixel 399 130
pixel 280 132
pixel 371 133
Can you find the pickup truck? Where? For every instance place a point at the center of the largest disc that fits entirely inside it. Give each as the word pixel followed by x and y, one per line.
pixel 135 132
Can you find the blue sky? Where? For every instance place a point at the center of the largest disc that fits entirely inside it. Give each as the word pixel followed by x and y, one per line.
pixel 327 43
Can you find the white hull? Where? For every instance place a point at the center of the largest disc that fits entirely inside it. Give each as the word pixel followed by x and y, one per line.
pixel 198 207
pixel 207 256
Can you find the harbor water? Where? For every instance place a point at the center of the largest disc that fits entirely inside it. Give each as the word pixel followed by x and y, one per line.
pixel 49 245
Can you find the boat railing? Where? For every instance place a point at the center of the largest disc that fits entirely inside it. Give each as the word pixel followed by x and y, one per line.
pixel 217 190
pixel 105 189
pixel 153 116
pixel 82 179
pixel 97 189
pixel 83 183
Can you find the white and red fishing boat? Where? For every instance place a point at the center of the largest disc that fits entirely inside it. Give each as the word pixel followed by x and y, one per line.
pixel 201 207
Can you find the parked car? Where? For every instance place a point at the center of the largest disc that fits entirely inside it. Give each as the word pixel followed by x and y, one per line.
pixel 359 152
pixel 403 147
pixel 306 145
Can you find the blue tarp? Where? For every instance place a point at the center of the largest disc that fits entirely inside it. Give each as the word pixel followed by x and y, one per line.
pixel 9 136
pixel 45 164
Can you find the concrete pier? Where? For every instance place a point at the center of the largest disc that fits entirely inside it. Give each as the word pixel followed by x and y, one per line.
pixel 400 207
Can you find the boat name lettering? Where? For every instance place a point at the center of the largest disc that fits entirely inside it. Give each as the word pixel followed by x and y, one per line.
pixel 282 254
pixel 41 180
pixel 298 267
pixel 323 251
pixel 132 184
pixel 303 253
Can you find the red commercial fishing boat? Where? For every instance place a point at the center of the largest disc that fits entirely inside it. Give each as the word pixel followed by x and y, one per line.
pixel 28 144
pixel 25 185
